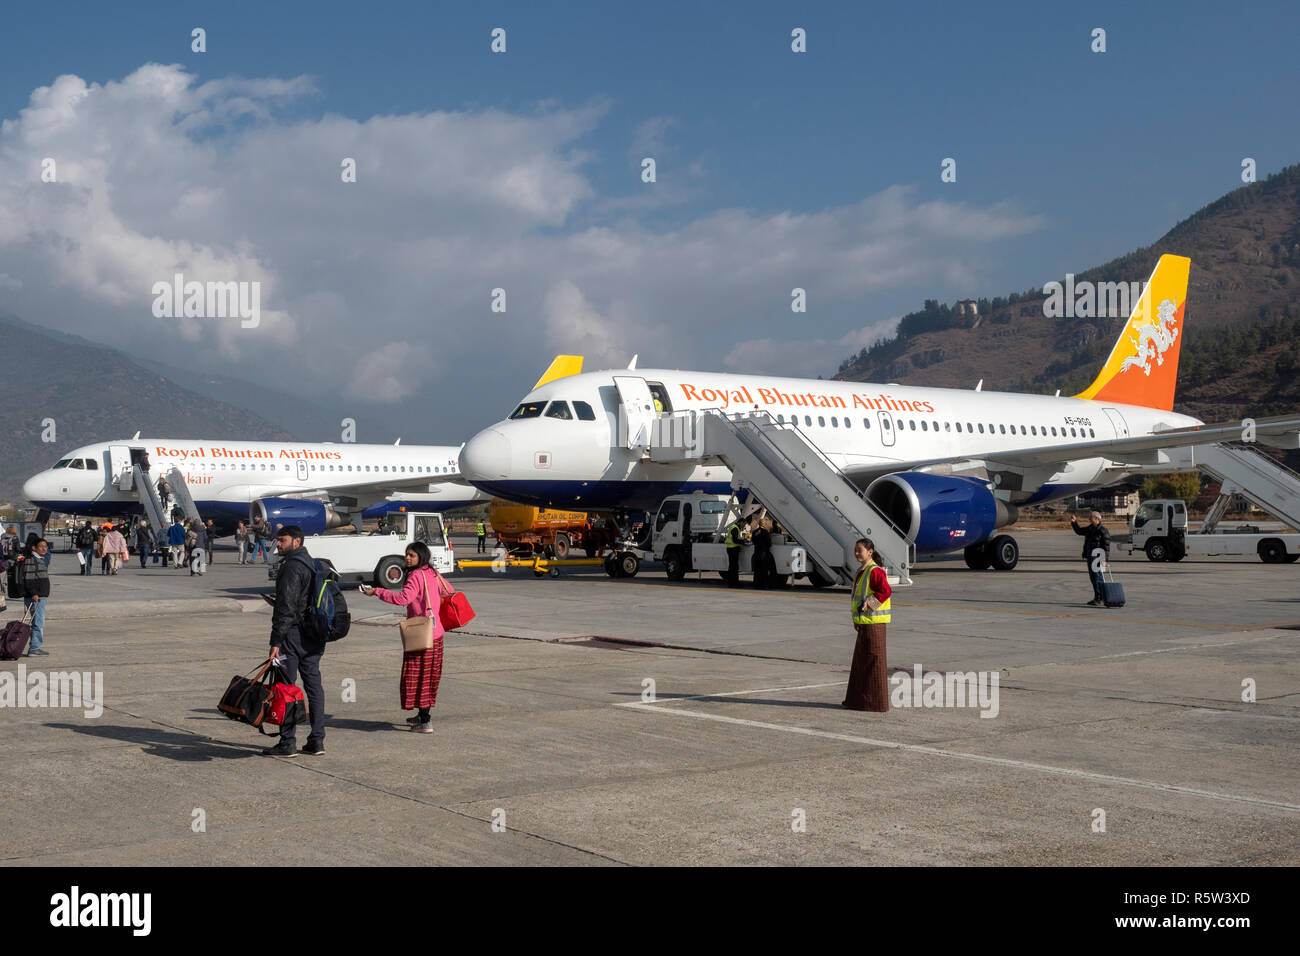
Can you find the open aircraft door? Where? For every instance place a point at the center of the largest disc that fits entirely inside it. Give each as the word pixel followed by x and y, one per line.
pixel 119 462
pixel 637 414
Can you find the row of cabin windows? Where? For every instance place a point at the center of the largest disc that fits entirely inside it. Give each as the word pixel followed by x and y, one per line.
pixel 559 410
pixel 411 469
pixel 927 426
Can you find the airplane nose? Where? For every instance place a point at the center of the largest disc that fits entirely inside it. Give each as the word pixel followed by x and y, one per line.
pixel 486 456
pixel 34 489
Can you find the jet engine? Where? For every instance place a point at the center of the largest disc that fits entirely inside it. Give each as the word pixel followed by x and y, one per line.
pixel 940 513
pixel 310 514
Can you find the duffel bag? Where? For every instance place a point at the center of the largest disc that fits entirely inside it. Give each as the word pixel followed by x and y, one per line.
pixel 248 699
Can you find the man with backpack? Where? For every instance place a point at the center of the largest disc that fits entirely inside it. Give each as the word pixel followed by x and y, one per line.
pixel 86 538
pixel 294 646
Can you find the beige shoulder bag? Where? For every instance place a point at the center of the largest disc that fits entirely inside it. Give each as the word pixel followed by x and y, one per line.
pixel 417 632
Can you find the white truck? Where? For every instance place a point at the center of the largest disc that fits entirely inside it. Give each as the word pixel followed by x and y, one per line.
pixel 687 536
pixel 379 558
pixel 1160 529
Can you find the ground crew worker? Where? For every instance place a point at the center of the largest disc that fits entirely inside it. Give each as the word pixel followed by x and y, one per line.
pixel 659 406
pixel 482 536
pixel 735 541
pixel 868 684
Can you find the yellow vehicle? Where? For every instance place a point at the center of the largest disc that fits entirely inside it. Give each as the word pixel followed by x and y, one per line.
pixel 524 528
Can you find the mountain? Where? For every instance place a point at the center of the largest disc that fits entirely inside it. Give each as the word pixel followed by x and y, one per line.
pixel 95 394
pixel 1241 354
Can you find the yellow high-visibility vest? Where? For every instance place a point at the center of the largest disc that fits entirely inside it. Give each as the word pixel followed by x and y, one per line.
pixel 733 540
pixel 861 591
pixel 482 529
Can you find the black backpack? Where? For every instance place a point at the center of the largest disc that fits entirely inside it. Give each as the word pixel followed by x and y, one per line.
pixel 327 618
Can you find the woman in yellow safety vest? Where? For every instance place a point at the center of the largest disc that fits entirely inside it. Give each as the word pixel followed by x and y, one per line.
pixel 868 684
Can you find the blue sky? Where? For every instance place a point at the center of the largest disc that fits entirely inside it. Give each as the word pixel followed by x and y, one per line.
pixel 1065 157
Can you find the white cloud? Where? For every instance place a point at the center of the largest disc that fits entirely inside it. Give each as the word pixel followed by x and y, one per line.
pixel 227 180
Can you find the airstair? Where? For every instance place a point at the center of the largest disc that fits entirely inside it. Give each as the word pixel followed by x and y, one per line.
pixel 1261 480
pixel 780 466
pixel 156 511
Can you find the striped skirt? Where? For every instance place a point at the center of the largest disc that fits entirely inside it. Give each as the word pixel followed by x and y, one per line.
pixel 421 672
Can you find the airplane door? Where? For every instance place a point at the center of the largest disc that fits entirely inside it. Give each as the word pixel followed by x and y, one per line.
pixel 886 428
pixel 119 461
pixel 302 470
pixel 1116 419
pixel 638 411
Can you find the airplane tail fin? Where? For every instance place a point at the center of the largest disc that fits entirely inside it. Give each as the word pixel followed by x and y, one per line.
pixel 1143 366
pixel 562 367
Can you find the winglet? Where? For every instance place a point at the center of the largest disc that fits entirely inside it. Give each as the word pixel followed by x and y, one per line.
pixel 1143 366
pixel 562 367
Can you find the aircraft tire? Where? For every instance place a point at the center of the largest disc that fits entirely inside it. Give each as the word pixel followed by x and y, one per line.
pixel 979 557
pixel 628 565
pixel 1004 553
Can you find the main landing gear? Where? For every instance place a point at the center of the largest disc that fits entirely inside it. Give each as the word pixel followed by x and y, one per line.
pixel 1001 553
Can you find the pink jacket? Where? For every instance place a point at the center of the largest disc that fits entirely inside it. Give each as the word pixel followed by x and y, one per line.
pixel 413 597
pixel 114 543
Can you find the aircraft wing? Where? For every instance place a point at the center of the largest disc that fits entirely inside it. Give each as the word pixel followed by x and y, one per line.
pixel 1281 431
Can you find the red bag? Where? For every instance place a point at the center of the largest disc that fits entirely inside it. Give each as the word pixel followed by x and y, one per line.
pixel 285 698
pixel 454 611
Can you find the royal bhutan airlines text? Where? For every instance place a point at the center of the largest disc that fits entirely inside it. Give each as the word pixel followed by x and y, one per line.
pixel 724 398
pixel 218 451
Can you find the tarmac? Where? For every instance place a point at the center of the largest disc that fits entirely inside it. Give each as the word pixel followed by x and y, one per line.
pixel 584 720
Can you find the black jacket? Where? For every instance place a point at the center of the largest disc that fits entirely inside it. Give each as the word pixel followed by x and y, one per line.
pixel 292 595
pixel 1093 538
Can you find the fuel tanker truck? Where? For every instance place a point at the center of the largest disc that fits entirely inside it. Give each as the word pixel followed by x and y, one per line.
pixel 525 529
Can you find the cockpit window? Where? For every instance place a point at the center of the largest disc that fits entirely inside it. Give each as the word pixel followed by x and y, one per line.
pixel 559 410
pixel 62 463
pixel 92 465
pixel 78 463
pixel 528 410
pixel 584 411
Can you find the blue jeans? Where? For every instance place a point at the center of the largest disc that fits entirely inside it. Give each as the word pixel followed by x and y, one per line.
pixel 265 545
pixel 88 554
pixel 38 621
pixel 1098 592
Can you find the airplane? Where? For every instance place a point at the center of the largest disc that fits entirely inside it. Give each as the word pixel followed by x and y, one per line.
pixel 578 439
pixel 317 486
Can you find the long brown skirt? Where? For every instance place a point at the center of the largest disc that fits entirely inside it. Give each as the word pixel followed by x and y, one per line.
pixel 868 682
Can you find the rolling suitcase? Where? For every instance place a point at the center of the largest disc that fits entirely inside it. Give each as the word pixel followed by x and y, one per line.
pixel 1112 590
pixel 14 638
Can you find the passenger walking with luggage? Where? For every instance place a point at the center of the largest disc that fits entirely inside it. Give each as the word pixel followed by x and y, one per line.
pixel 291 649
pixel 115 550
pixel 421 668
pixel 176 542
pixel 1096 552
pixel 868 682
pixel 143 543
pixel 36 592
pixel 262 530
pixel 241 541
pixel 85 541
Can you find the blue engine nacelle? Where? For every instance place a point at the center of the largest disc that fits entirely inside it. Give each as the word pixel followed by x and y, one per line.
pixel 310 514
pixel 940 512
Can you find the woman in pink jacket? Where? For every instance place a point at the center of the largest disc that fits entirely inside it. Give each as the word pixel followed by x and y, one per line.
pixel 421 670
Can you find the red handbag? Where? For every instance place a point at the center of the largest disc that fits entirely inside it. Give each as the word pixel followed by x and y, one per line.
pixel 454 611
pixel 285 699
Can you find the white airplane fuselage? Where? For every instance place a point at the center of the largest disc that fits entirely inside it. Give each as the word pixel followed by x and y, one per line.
pixel 569 462
pixel 226 477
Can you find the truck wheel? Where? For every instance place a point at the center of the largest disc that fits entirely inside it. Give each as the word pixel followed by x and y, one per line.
pixel 1272 551
pixel 562 546
pixel 1005 552
pixel 674 566
pixel 390 573
pixel 978 556
pixel 628 564
pixel 817 579
pixel 1157 550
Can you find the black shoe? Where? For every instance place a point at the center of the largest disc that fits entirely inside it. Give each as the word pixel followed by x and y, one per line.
pixel 281 749
pixel 313 749
pixel 39 652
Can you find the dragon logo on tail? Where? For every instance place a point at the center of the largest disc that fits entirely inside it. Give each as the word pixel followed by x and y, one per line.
pixel 1153 340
